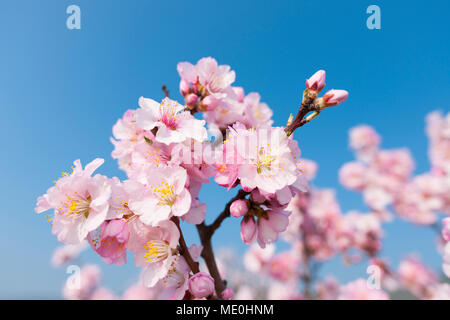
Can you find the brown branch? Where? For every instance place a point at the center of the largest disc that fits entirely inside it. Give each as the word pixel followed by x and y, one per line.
pixel 206 232
pixel 166 91
pixel 185 250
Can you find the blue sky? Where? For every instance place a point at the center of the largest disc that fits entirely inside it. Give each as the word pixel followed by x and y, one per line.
pixel 62 90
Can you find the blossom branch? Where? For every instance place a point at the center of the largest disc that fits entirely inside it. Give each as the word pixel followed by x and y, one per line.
pixel 206 232
pixel 185 250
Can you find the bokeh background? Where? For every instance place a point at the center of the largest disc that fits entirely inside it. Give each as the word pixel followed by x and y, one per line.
pixel 62 90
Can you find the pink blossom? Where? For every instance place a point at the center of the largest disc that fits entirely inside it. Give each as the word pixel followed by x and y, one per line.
pixel 67 253
pixel 110 241
pixel 227 294
pixel 283 291
pixel 416 277
pixel 256 114
pixel 139 292
pixel 328 289
pixel 212 76
pixel 364 140
pixel 308 168
pixel 196 213
pixel 201 285
pixel 353 175
pixel 359 290
pixel 80 202
pixel 158 194
pixel 81 285
pixel 175 284
pixel 269 164
pixel 284 266
pixel 102 294
pixel 153 248
pixel 257 258
pixel 270 226
pixel 173 123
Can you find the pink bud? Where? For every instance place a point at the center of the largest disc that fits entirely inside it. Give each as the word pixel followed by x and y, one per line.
pixel 239 208
pixel 248 230
pixel 334 97
pixel 316 82
pixel 228 294
pixel 201 285
pixel 191 100
pixel 446 229
pixel 184 87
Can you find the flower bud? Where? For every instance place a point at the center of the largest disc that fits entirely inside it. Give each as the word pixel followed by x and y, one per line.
pixel 316 83
pixel 332 98
pixel 239 208
pixel 191 100
pixel 248 229
pixel 227 294
pixel 201 285
pixel 184 87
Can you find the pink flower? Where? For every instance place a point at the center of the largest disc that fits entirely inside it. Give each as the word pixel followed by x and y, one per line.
pixel 213 77
pixel 308 168
pixel 175 284
pixel 173 123
pixel 270 226
pixel 284 266
pixel 80 286
pixel 158 194
pixel 196 214
pixel 80 202
pixel 353 175
pixel 239 208
pixel 256 114
pixel 359 290
pixel 364 140
pixel 201 285
pixel 269 164
pixel 65 254
pixel 110 241
pixel 317 81
pixel 227 294
pixel 283 291
pixel 139 292
pixel 126 134
pixel 154 248
pixel 328 289
pixel 416 277
pixel 257 258
pixel 102 294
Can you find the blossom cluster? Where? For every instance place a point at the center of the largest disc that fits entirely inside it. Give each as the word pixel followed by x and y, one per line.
pixel 167 153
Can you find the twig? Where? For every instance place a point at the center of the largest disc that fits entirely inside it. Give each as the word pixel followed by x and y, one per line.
pixel 206 232
pixel 185 250
pixel 166 91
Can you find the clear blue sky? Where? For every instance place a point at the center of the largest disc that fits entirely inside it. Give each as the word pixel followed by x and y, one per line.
pixel 62 90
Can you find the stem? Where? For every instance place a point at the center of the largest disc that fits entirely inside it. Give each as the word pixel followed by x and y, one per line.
pixel 185 250
pixel 206 232
pixel 166 91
